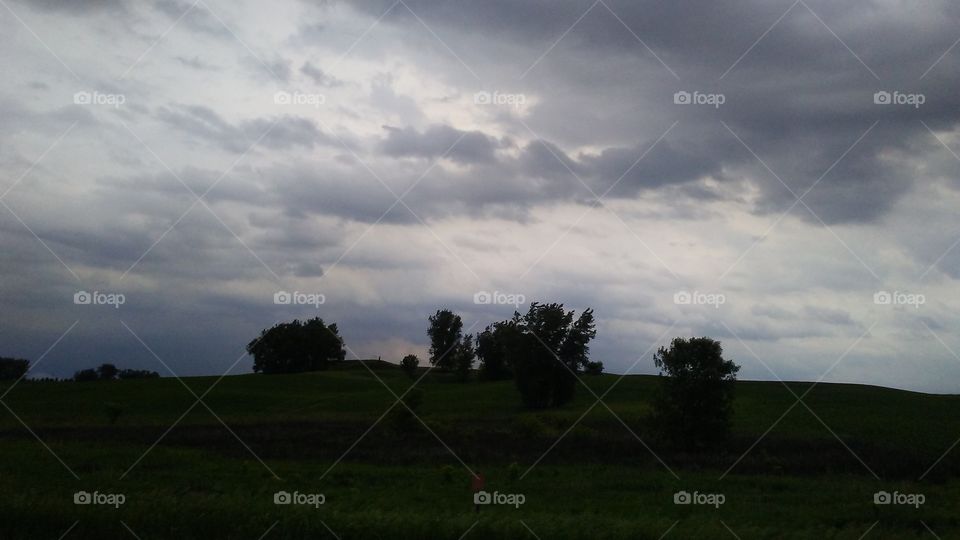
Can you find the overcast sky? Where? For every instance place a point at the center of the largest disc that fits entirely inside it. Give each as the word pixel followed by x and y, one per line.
pixel 779 175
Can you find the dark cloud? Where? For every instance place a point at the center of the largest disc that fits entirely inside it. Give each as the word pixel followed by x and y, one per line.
pixel 466 147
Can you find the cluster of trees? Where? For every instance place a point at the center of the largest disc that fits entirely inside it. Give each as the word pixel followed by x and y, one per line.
pixel 296 346
pixel 13 368
pixel 543 350
pixel 109 372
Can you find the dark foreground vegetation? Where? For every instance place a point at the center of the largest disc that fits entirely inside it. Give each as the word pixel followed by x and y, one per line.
pixel 404 478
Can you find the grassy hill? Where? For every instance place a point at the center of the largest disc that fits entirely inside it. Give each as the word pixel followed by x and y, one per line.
pixel 389 475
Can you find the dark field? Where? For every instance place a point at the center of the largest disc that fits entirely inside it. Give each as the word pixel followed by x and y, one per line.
pixel 407 479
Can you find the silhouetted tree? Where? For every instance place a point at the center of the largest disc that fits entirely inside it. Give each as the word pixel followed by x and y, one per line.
pixel 409 365
pixel 593 368
pixel 695 401
pixel 13 368
pixel 548 352
pixel 492 346
pixel 107 372
pixel 86 375
pixel 296 346
pixel 137 374
pixel 446 333
pixel 463 355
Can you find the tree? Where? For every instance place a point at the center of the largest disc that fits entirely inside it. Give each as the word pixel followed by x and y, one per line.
pixel 695 401
pixel 296 346
pixel 593 368
pixel 137 374
pixel 409 365
pixel 445 332
pixel 86 375
pixel 547 352
pixel 492 345
pixel 107 372
pixel 463 355
pixel 13 368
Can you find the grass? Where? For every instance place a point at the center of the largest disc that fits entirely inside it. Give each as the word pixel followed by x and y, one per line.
pixel 404 479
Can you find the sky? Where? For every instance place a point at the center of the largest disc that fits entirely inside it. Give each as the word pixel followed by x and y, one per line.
pixel 176 176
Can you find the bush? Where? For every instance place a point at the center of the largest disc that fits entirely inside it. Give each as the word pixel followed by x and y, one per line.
pixel 695 401
pixel 593 368
pixel 409 365
pixel 107 372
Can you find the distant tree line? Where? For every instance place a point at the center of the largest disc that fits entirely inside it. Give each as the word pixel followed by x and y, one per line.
pixel 109 372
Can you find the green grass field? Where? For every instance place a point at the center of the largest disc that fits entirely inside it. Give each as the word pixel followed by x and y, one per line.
pixel 407 479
